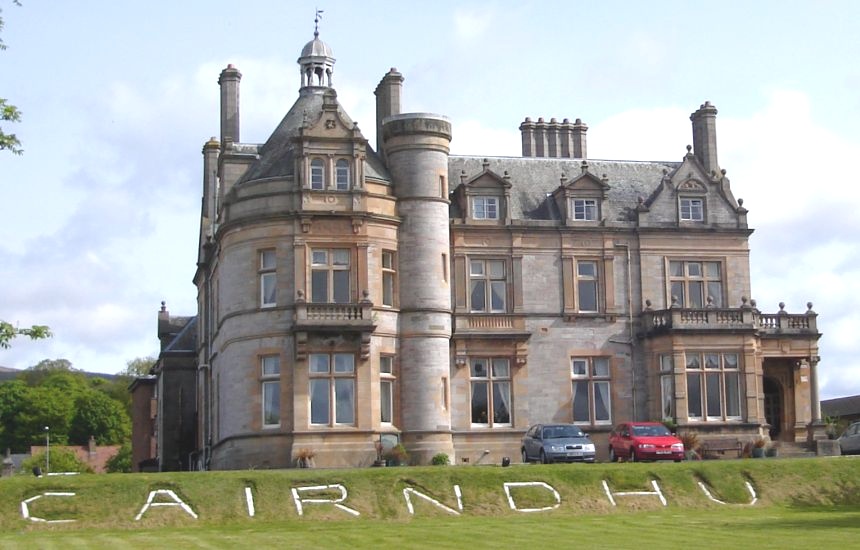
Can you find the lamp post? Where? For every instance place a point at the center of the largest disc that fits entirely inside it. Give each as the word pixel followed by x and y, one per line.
pixel 47 449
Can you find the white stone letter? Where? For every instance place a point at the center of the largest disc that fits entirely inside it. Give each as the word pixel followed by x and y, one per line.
pixel 546 486
pixel 337 501
pixel 749 488
pixel 656 492
pixel 410 491
pixel 170 494
pixel 25 509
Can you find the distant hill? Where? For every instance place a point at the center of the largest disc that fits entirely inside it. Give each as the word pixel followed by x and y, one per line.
pixel 8 373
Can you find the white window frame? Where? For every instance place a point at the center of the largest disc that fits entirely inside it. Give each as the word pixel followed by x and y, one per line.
pixel 714 370
pixel 582 279
pixel 485 208
pixel 270 375
pixel 331 377
pixel 317 173
pixel 706 274
pixel 691 209
pixel 342 175
pixel 592 373
pixel 584 210
pixel 331 266
pixel 387 380
pixel 389 278
pixel 496 382
pixel 268 278
pixel 481 272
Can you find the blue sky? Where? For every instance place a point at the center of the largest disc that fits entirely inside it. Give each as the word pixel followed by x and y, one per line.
pixel 98 221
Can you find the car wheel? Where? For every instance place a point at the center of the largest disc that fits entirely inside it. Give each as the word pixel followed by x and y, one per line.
pixel 525 456
pixel 543 458
pixel 633 455
pixel 612 456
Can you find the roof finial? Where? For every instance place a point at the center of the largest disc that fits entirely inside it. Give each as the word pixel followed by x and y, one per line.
pixel 317 18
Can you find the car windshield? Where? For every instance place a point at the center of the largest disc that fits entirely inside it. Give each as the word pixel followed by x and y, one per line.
pixel 559 432
pixel 650 430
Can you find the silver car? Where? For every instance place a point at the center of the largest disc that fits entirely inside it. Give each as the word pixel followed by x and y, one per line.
pixel 850 440
pixel 557 443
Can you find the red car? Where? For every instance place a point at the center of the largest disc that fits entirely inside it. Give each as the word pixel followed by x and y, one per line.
pixel 644 441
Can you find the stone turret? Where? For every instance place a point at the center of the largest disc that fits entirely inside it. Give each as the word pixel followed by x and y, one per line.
pixel 416 147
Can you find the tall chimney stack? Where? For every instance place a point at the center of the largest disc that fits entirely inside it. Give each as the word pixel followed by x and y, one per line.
pixel 578 133
pixel 229 82
pixel 705 137
pixel 387 102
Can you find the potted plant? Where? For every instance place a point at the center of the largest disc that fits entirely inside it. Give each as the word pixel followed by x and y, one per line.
pixel 397 456
pixel 305 458
pixel 691 445
pixel 831 426
pixel 758 447
pixel 380 451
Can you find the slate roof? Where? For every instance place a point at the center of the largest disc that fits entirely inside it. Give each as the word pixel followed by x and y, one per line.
pixel 533 178
pixel 277 156
pixel 841 406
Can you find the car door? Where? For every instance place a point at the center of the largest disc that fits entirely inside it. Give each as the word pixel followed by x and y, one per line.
pixel 532 442
pixel 851 440
pixel 615 441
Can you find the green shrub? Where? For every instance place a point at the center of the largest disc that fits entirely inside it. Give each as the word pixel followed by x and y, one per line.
pixel 440 459
pixel 62 460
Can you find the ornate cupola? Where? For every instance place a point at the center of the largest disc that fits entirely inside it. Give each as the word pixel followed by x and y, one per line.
pixel 316 61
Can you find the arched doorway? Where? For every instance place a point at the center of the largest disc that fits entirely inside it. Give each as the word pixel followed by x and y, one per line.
pixel 773 406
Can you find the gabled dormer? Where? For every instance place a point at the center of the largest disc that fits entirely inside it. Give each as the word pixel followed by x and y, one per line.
pixel 484 199
pixel 331 150
pixel 580 200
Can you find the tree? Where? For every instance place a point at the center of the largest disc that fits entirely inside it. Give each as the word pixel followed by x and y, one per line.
pixel 120 463
pixel 8 331
pixel 139 366
pixel 101 417
pixel 8 113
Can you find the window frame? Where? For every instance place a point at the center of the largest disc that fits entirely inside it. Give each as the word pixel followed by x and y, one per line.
pixel 489 207
pixel 489 282
pixel 593 208
pixel 331 269
pixel 387 379
pixel 331 377
pixel 595 279
pixel 687 209
pixel 492 381
pixel 389 278
pixel 667 386
pixel 704 279
pixel 270 379
pixel 317 179
pixel 706 375
pixel 342 175
pixel 592 379
pixel 268 277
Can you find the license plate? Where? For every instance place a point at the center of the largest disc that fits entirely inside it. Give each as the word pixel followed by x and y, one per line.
pixel 574 454
pixel 664 452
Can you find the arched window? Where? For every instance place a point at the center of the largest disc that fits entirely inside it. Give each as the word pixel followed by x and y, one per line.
pixel 342 175
pixel 317 174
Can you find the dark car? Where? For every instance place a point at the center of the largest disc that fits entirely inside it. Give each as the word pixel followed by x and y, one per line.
pixel 849 441
pixel 644 441
pixel 557 443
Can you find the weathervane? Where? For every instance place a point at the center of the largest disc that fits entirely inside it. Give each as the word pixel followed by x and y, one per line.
pixel 317 18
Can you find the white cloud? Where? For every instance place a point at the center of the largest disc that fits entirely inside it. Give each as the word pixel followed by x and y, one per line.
pixel 472 23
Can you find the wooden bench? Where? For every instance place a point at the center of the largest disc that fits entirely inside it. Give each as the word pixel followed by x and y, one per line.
pixel 712 447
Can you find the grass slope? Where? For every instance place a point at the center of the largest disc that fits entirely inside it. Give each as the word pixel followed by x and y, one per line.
pixel 813 500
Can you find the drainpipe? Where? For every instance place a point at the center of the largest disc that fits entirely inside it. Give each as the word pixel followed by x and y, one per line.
pixel 630 340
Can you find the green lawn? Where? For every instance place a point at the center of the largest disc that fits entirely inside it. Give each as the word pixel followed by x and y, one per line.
pixel 802 503
pixel 772 527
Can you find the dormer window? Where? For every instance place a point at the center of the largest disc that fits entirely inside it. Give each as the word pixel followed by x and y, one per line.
pixel 485 208
pixel 584 210
pixel 341 171
pixel 692 210
pixel 317 174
